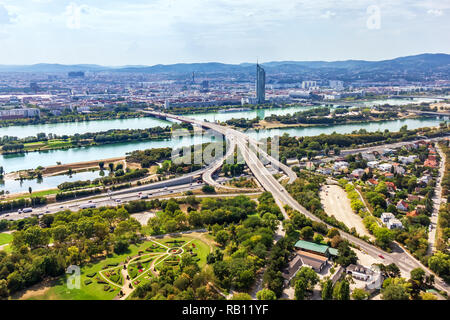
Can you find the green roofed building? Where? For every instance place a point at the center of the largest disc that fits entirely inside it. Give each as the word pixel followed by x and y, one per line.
pixel 317 248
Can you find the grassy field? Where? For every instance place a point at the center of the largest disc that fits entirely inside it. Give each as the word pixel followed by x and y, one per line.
pixel 58 289
pixel 5 238
pixel 42 193
pixel 93 291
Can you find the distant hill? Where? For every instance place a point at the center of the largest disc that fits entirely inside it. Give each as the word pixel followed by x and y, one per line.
pixel 427 63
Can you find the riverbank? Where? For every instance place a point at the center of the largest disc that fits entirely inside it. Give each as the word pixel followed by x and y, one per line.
pixel 63 168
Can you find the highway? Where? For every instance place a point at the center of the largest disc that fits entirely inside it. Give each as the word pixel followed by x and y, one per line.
pixel 399 256
pixel 103 200
pixel 380 148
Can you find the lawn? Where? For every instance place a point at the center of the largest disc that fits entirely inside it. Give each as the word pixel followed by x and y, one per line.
pixel 94 290
pixel 5 238
pixel 42 193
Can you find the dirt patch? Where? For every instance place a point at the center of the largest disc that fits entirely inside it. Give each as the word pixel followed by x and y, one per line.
pixel 336 203
pixel 34 291
pixel 79 165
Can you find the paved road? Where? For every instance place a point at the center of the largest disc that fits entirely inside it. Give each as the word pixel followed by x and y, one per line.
pixel 380 148
pixel 437 200
pixel 399 256
pixel 102 200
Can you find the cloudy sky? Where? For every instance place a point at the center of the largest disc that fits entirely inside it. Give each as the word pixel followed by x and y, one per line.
pixel 147 32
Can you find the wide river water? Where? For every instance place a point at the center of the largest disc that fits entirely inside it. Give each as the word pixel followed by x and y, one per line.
pixel 30 160
pixel 71 128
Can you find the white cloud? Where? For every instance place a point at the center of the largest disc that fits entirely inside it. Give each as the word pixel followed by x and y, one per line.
pixel 328 14
pixel 5 16
pixel 435 12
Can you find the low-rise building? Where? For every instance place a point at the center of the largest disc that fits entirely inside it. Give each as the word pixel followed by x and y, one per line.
pixel 372 164
pixel 386 216
pixel 394 224
pixel 385 167
pixel 357 173
pixel 315 261
pixel 402 205
pixel 359 272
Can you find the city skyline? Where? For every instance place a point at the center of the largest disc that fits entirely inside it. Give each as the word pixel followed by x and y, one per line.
pixel 165 32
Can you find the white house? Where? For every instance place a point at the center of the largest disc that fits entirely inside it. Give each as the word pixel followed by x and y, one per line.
pixel 394 224
pixel 339 165
pixel 399 170
pixel 372 164
pixel 386 216
pixel 402 205
pixel 424 180
pixel 407 160
pixel 385 167
pixel 358 173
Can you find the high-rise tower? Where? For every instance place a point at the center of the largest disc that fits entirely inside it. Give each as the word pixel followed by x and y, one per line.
pixel 260 84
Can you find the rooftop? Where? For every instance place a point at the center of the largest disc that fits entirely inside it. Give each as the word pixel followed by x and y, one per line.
pixel 316 247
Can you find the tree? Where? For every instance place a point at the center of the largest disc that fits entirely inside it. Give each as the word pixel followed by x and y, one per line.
pixel 327 290
pixel 343 291
pixel 307 233
pixel 360 294
pixel 222 237
pixel 305 279
pixel 241 296
pixel 333 232
pixel 346 255
pixel 440 263
pixel 318 238
pixel 208 189
pixel 300 289
pixel 424 296
pixel 383 236
pixel 266 294
pixel 4 292
pixel 418 275
pixel 395 289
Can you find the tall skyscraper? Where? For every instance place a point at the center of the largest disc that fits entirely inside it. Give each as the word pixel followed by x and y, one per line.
pixel 260 84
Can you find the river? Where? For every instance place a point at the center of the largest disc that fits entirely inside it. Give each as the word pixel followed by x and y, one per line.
pixel 31 160
pixel 15 186
pixel 70 128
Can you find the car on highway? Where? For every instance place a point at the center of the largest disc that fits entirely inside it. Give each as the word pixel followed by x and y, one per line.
pixel 143 196
pixel 381 256
pixel 118 200
pixel 88 205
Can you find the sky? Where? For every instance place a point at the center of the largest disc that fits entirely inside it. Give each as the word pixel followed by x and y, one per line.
pixel 149 32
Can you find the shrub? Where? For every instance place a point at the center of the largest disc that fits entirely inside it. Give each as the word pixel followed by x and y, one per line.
pixel 87 282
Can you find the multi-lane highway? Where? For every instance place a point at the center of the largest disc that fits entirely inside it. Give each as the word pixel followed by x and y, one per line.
pixel 110 199
pixel 401 257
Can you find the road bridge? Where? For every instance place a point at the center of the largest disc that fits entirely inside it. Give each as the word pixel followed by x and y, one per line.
pixel 399 256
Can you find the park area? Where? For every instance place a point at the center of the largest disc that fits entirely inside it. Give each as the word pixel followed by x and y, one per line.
pixel 116 276
pixel 5 238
